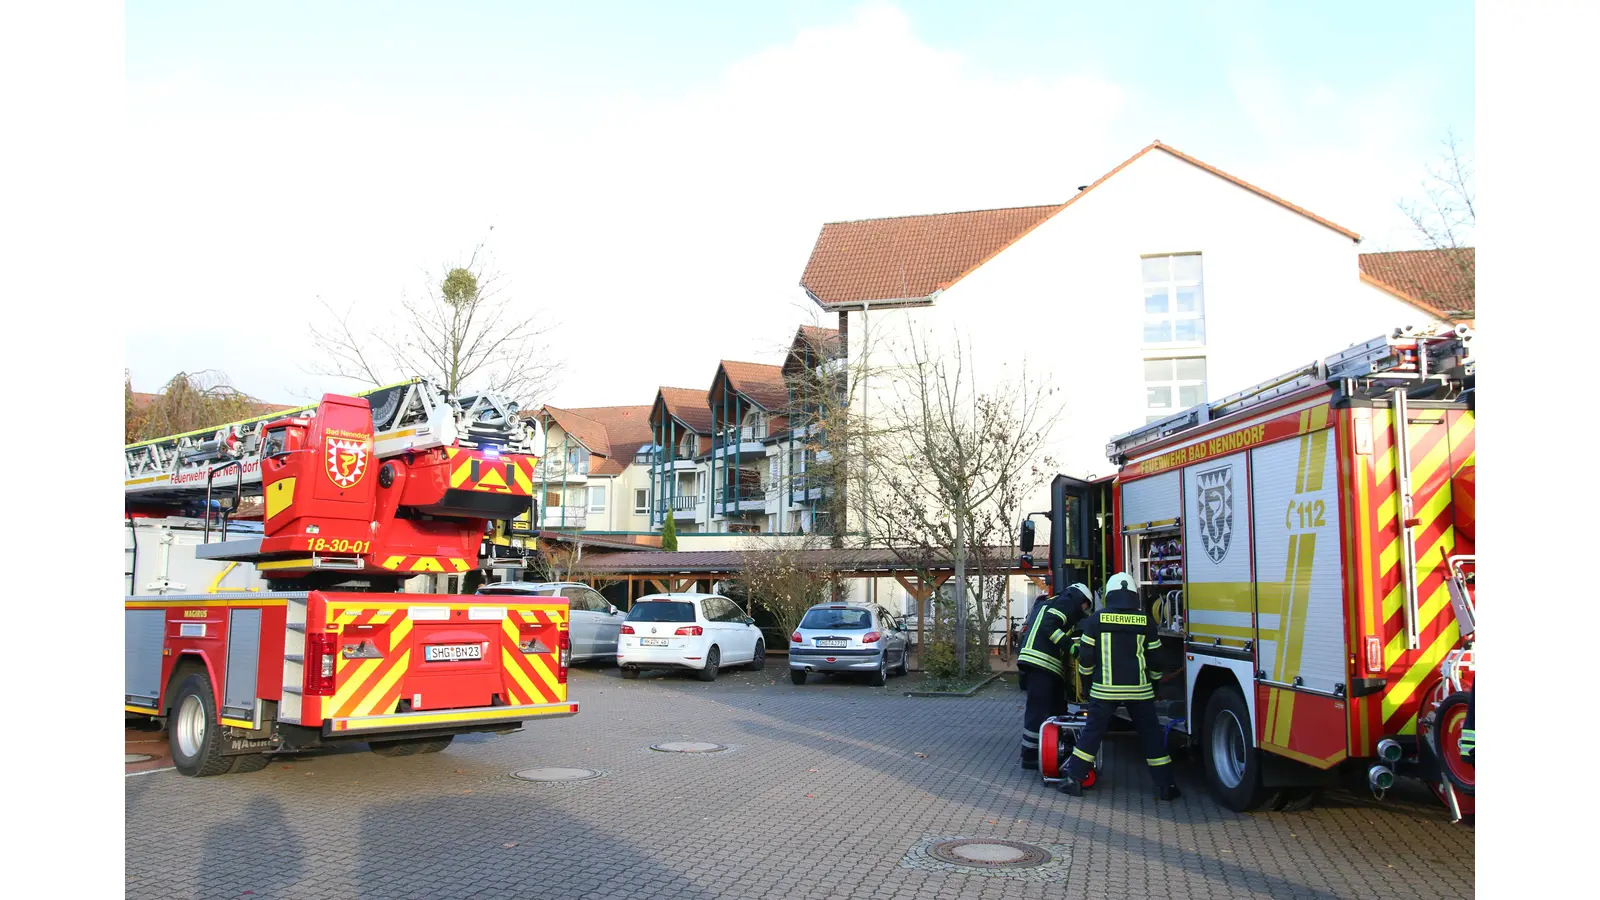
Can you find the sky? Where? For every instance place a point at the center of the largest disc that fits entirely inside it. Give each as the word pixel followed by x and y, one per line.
pixel 655 174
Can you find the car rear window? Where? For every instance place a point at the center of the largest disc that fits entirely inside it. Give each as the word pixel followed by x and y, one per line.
pixel 851 619
pixel 662 611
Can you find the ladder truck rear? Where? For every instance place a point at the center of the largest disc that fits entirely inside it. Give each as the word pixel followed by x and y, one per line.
pixel 1307 546
pixel 253 639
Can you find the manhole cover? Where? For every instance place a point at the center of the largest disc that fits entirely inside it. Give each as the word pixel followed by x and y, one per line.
pixel 556 773
pixel 987 853
pixel 687 747
pixel 136 758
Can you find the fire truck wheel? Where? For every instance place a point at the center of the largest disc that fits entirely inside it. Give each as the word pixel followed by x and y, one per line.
pixel 255 762
pixel 1448 720
pixel 1228 749
pixel 1297 799
pixel 395 748
pixel 194 736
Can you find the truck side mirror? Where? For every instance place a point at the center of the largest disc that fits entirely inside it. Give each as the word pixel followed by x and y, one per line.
pixel 1026 540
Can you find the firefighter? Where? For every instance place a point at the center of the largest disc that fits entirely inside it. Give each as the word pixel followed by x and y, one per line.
pixel 1112 657
pixel 1469 737
pixel 1044 660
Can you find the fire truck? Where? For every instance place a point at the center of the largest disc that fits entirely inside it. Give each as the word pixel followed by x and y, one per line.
pixel 1306 546
pixel 249 637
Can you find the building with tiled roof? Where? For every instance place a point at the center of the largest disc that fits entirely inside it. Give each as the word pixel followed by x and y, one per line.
pixel 594 467
pixel 1155 286
pixel 1439 282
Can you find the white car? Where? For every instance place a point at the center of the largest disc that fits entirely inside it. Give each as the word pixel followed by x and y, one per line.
pixel 701 632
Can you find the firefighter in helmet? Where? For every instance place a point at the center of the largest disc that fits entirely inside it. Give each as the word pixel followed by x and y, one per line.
pixel 1112 651
pixel 1044 658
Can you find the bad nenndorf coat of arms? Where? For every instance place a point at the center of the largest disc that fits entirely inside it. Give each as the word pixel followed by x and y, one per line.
pixel 1216 511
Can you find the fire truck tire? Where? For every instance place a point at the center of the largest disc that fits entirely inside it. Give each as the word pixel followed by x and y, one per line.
pixel 1228 750
pixel 1448 721
pixel 404 748
pixel 255 762
pixel 1297 799
pixel 194 735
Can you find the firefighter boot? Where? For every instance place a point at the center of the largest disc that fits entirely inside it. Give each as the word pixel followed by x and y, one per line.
pixel 1030 759
pixel 1168 792
pixel 1070 785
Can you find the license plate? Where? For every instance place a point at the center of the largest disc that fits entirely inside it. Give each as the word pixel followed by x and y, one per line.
pixel 452 652
pixel 652 642
pixel 832 642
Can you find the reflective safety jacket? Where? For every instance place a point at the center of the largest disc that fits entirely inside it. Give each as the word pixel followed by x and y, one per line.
pixel 1047 642
pixel 1112 648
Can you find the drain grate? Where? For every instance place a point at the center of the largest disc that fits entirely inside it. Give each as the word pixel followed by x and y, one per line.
pixel 688 747
pixel 989 853
pixel 990 858
pixel 130 758
pixel 547 774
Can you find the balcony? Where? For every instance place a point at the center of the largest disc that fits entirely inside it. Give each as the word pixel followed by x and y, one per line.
pixel 743 499
pixel 673 465
pixel 804 491
pixel 687 506
pixel 743 440
pixel 561 470
pixel 564 517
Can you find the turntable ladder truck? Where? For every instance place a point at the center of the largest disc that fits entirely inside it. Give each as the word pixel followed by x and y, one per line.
pixel 247 640
pixel 1307 547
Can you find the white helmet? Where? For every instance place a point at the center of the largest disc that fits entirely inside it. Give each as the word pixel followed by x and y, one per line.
pixel 1082 589
pixel 1121 581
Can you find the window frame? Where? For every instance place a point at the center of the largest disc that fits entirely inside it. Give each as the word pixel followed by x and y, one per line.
pixel 589 498
pixel 641 508
pixel 1176 384
pixel 1172 316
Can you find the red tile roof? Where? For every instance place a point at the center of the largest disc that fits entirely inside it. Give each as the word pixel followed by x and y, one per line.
pixel 814 342
pixel 689 406
pixel 1440 282
pixel 613 433
pixel 762 383
pixel 909 258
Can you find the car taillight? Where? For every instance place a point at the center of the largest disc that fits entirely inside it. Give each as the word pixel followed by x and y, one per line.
pixel 566 654
pixel 627 629
pixel 691 630
pixel 1374 654
pixel 319 665
pixel 795 637
pixel 870 637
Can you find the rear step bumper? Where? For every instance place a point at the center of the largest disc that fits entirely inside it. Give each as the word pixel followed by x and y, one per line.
pixel 436 720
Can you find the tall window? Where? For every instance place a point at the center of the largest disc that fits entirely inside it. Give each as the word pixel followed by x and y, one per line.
pixel 641 500
pixel 1174 308
pixel 597 499
pixel 1173 384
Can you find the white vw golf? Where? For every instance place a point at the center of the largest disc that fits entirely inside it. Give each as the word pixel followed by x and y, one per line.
pixel 701 632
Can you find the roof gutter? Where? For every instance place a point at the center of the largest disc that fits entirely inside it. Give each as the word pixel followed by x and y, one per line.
pixel 863 305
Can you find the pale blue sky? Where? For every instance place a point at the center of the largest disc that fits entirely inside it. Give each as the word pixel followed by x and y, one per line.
pixel 297 149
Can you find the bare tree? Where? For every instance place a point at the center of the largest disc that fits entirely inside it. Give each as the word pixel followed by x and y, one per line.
pixel 1445 220
pixel 953 463
pixel 188 402
pixel 465 333
pixel 786 581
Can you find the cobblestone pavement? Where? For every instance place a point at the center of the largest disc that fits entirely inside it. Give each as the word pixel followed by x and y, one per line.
pixel 827 790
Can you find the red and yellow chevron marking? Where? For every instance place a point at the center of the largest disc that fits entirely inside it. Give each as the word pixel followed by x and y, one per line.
pixel 1442 459
pixel 511 474
pixel 531 677
pixel 370 686
pixel 426 564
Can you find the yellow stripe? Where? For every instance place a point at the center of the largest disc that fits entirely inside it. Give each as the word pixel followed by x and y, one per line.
pixel 1300 470
pixel 286 563
pixel 174 603
pixel 393 562
pixel 1307 758
pixel 509 664
pixel 1271 719
pixel 1389 557
pixel 1396 696
pixel 383 685
pixel 1226 631
pixel 425 564
pixel 549 677
pixel 1425 469
pixel 1285 718
pixel 1319 417
pixel 398 634
pixel 460 564
pixel 1088 758
pixel 143 709
pixel 560 707
pixel 353 682
pixel 1318 461
pixel 1220 596
pixel 1382 421
pixel 1425 614
pixel 239 723
pixel 459 476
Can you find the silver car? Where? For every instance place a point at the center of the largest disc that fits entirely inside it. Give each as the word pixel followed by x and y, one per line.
pixel 848 637
pixel 595 623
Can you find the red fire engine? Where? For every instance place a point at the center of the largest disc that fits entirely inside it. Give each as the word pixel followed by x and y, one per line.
pixel 312 643
pixel 1307 547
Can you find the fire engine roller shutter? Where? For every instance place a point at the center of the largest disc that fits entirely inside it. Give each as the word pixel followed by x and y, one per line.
pixel 142 664
pixel 1153 499
pixel 1299 591
pixel 244 651
pixel 1216 549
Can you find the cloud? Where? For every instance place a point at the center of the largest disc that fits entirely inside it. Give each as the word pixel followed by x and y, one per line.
pixel 663 238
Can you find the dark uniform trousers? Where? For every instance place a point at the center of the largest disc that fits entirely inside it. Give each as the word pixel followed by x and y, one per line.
pixel 1151 741
pixel 1047 696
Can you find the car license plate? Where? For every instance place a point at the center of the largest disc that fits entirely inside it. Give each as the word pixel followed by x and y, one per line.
pixel 652 642
pixel 452 652
pixel 832 642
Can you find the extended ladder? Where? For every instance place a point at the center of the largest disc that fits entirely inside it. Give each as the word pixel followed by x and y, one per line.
pixel 413 415
pixel 1407 356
